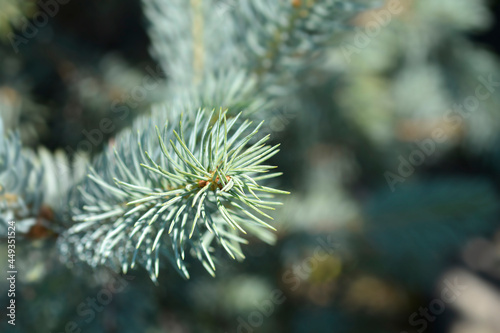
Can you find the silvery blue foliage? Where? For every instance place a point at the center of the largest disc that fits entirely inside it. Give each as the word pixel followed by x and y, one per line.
pixel 21 195
pixel 191 176
pixel 175 189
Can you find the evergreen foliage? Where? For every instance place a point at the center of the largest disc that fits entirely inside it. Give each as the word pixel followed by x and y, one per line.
pixel 20 179
pixel 164 190
pixel 186 179
pixel 182 188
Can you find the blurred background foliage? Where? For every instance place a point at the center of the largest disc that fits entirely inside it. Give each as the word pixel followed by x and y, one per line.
pixel 355 118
